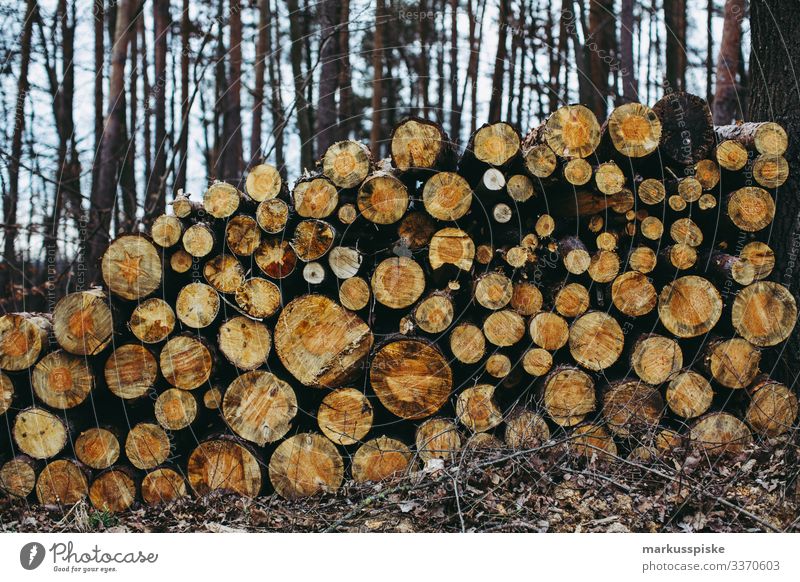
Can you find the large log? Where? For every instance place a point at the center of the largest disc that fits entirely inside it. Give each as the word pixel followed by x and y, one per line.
pixel 304 465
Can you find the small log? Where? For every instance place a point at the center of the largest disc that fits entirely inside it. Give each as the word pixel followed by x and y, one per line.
pixel 467 343
pixel 687 132
pixel 577 172
pixel 382 198
pixel 221 200
pixel 450 246
pixel 224 273
pixel 568 395
pixel 23 338
pixel 773 407
pixel 686 231
pixel 398 282
pixel 113 490
pixel 186 362
pixel 770 171
pixel 651 228
pixel 764 313
pixel 242 234
pixel 39 433
pixel 732 362
pixel 490 185
pixel 633 294
pixel 435 313
pixel 504 328
pixel 416 230
pixel 197 305
pixel 574 254
pixel 222 464
pixel 198 240
pixel 212 398
pixel 315 197
pixel 572 131
pixel 526 299
pixel 731 155
pixel 259 407
pixel 592 440
pixel 525 430
pixel 537 361
pixel 304 465
pixel 690 189
pixel 163 485
pixel 609 179
pixel 494 144
pixel 498 365
pixel 180 261
pixel 502 213
pixel 7 393
pixel 312 239
pixel 548 330
pixel 707 202
pixel 263 182
pixel 152 321
pixel 18 476
pixel 354 293
pixel 272 215
pixel 681 256
pixel 596 340
pixel 484 254
pixel 707 173
pixel 437 438
pixel 166 230
pixel 61 380
pixel 419 145
pixel 761 256
pixel 476 408
pixel 411 378
pixel 380 459
pixel 520 188
pixel 244 343
pixel 347 213
pixel 766 137
pixel 147 445
pixel 608 241
pixel 571 300
pixel 540 160
pixel 447 196
pixel 493 291
pixel 175 409
pixel 603 266
pixel 634 130
pixel 545 225
pixel 345 261
pixel 347 163
pixel 731 268
pixel 131 267
pixel 719 434
pixel 320 343
pixel 631 407
pixel 258 298
pixel 185 207
pixel 82 322
pixel 689 306
pixel 751 209
pixel 689 394
pixel 62 482
pixel 345 416
pixel 314 273
pixel 655 358
pixel 97 448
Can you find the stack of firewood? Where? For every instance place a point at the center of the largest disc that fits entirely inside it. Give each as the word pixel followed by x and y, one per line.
pixel 604 285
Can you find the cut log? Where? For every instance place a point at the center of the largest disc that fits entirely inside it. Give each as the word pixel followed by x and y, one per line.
pixel 525 429
pixel 152 321
pixel 571 300
pixel 773 408
pixel 633 294
pixel 548 330
pixel 259 298
pixel 767 137
pixel 315 198
pixel 23 338
pixel 185 207
pixel 568 395
pixel 166 230
pixel 493 291
pixel 345 261
pixel 163 485
pixel 198 240
pixel 592 440
pixel 520 188
pixel 770 171
pixel 451 246
pixel 320 343
pixel 540 160
pixel 411 378
pixel 526 299
pixel 572 132
pixel 304 465
pixel 242 235
pixel 642 259
pixel 314 273
pixel 131 267
pixel 685 231
pixel 347 163
pixel 720 433
pixel 197 305
pixel 687 132
pixel 272 215
pixel 578 172
pixel 175 409
pixel 435 313
pixel 416 230
pixel 39 433
pixel 244 343
pixel 707 173
pixel 655 358
pixel 476 408
pixel 61 483
pixel 537 361
pixel 689 394
pixel 7 393
pixel 345 416
pixel 447 196
pixel 147 445
pixel 312 239
pixel 483 441
pixel 732 362
pixel 437 438
pixel 418 145
pixel 761 257
pixel 731 155
pixel 609 179
pixel 398 282
pixel 751 209
pixel 764 313
pixel 574 255
pixel 545 225
pixel 82 322
pixel 113 491
pixel 224 273
pixel 259 407
pixel 689 306
pixel 498 366
pixel 186 362
pixel 732 268
pixel 382 198
pixel 354 293
pixel 347 213
pixel 634 129
pixel 221 200
pixel 97 448
pixel 61 380
pixel 596 340
pixel 212 398
pixel 467 343
pixel 18 476
pixel 707 202
pixel 224 465
pixel 263 183
pixel 681 256
pixel 380 459
pixel 180 261
pixel 651 228
pixel 631 407
pixel 603 266
pixel 494 144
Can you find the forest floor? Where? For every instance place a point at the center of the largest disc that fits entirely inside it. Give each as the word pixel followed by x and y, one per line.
pixel 542 490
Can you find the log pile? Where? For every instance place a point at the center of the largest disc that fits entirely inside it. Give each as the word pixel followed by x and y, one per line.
pixel 609 285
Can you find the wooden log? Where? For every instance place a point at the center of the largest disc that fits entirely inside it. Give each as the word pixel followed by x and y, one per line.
pixel 751 208
pixel 685 231
pixel 175 409
pixel 23 338
pixel 263 182
pixel 320 343
pixel 545 225
pixel 82 322
pixel 259 407
pixel 272 215
pixel 577 172
pixel 498 365
pixel 198 240
pixel 447 196
pixel 731 155
pixel 61 380
pixel 633 294
pixel 380 459
pixel 568 395
pixel 483 441
pixel 689 306
pixel 131 267
pixel 467 343
pixel 347 213
pixel 152 321
pixel 493 291
pixel 39 433
pixel 97 448
pixel 411 378
pixel 212 398
pixel 520 188
pixel 449 246
pixel 689 395
pixel 634 130
pixel 476 408
pixel 572 131
pixel 632 408
pixel 113 491
pixel 596 340
pixel 197 305
pixel 7 393
pixel 707 173
pixel 382 198
pixel 719 434
pixel 603 266
pixel 571 300
pixel 221 200
pixel 608 178
pixel 655 358
pixel 681 256
pixel 258 298
pixel 526 299
pixel 494 144
pixel 223 464
pixel 186 362
pixel 437 438
pixel 540 161
pixel 642 259
pixel 687 132
pixel 242 235
pixel 180 261
pixel 574 255
pixel 166 230
pixel 525 429
pixel 761 257
pixel 345 261
pixel 304 465
pixel 315 197
pixel 18 476
pixel 224 273
pixel 398 282
pixel 732 362
pixel 244 343
pixel 184 207
pixel 418 145
pixel 764 313
pixel 765 137
pixel 163 485
pixel 770 171
pixel 548 330
pixel 537 361
pixel 147 446
pixel 345 416
pixel 592 440
pixel 312 239
pixel 652 228
pixel 707 202
pixel 62 482
pixel 354 293
pixel 435 313
pixel 416 229
pixel 731 268
pixel 773 407
pixel 347 163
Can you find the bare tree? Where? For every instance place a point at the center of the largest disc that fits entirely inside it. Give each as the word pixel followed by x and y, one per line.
pixel 676 58
pixel 377 81
pixel 496 100
pixel 327 114
pixel 345 72
pixel 232 151
pixel 300 103
pixel 155 200
pixel 183 139
pixel 630 91
pixel 726 96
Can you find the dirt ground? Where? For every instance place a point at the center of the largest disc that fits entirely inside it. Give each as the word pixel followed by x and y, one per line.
pixel 541 490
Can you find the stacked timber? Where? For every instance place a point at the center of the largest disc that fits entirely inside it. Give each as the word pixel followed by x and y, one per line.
pixel 605 285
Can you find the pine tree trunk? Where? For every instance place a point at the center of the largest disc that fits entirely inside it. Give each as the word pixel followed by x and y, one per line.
pixel 726 97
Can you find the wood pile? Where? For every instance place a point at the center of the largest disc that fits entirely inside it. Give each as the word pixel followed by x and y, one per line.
pixel 606 285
